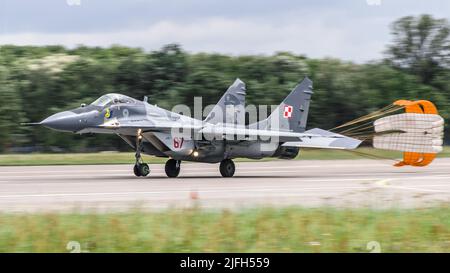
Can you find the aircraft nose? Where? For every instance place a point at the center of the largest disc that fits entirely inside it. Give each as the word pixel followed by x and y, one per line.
pixel 63 121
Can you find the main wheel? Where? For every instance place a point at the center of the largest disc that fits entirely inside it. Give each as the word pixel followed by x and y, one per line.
pixel 172 167
pixel 227 168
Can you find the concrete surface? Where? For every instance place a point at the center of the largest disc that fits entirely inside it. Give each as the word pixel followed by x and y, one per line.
pixel 339 183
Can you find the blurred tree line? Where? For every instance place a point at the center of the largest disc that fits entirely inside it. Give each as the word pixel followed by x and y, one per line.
pixel 36 82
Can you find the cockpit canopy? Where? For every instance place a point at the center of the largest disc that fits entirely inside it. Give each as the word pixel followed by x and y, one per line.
pixel 112 98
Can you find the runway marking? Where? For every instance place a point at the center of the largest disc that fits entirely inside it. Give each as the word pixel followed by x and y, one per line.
pixel 218 190
pixel 161 172
pixel 186 174
pixel 186 167
pixel 224 189
pixel 416 189
pixel 383 182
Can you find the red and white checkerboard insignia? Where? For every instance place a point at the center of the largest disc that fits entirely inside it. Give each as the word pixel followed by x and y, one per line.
pixel 287 111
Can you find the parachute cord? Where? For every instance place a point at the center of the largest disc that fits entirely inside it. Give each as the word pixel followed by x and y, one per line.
pixel 362 134
pixel 386 110
pixel 373 116
pixel 368 125
pixel 363 117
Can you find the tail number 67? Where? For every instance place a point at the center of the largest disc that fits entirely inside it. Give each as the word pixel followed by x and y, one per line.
pixel 178 142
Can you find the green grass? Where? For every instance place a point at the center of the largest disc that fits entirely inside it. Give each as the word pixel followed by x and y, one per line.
pixel 251 230
pixel 128 158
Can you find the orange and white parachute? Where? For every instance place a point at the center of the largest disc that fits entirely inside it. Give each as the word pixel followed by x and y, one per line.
pixel 418 132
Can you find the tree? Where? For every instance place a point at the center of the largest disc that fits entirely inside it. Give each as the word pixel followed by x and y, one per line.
pixel 421 46
pixel 32 89
pixel 10 111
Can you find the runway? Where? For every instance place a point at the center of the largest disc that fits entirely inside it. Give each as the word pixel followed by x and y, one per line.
pixel 309 183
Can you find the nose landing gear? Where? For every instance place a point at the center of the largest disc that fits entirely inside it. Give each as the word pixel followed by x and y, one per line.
pixel 140 168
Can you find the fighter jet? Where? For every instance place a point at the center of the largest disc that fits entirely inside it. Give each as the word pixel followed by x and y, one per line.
pixel 220 137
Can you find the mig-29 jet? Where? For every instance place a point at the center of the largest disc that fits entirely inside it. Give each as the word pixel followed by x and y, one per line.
pixel 152 130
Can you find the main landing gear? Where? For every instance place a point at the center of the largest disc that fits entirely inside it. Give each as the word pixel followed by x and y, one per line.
pixel 140 168
pixel 172 168
pixel 227 168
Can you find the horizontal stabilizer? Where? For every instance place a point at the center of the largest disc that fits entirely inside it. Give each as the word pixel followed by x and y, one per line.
pixel 326 140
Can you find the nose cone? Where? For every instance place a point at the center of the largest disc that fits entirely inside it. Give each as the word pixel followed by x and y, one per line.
pixel 64 121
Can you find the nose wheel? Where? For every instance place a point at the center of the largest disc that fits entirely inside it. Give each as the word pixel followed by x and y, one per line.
pixel 227 168
pixel 140 168
pixel 172 168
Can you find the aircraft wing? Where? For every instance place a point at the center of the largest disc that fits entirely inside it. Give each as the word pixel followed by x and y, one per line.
pixel 314 138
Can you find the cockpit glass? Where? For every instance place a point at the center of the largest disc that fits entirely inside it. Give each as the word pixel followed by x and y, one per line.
pixel 108 99
pixel 102 101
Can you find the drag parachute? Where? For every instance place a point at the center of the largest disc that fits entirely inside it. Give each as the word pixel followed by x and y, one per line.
pixel 409 132
pixel 421 133
pixel 418 132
